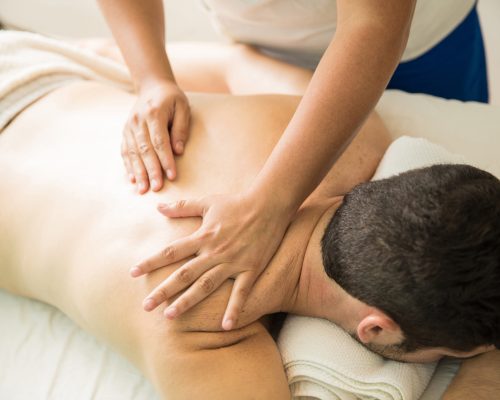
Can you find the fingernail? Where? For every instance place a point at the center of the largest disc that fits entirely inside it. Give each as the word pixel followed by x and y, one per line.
pixel 227 324
pixel 149 304
pixel 170 174
pixel 135 271
pixel 165 206
pixel 142 186
pixel 170 312
pixel 155 184
pixel 180 147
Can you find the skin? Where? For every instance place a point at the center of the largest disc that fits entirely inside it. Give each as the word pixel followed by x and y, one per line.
pixel 476 379
pixel 241 232
pixel 116 228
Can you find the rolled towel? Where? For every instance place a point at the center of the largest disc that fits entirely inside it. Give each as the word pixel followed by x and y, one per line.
pixel 322 361
pixel 408 153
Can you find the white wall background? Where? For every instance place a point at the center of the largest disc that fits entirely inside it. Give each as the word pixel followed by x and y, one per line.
pixel 81 18
pixel 187 21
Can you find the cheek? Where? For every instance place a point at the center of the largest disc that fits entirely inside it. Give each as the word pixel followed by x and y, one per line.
pixel 473 353
pixel 423 357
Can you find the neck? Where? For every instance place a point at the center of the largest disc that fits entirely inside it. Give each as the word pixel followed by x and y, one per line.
pixel 315 294
pixel 295 280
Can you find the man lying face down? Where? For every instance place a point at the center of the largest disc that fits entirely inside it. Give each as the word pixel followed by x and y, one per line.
pixel 83 271
pixel 414 262
pixel 375 248
pixel 423 248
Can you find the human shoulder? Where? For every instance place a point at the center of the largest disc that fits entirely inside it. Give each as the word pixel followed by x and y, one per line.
pixel 243 363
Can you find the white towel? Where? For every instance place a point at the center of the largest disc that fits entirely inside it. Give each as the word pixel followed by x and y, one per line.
pixel 408 153
pixel 31 65
pixel 321 360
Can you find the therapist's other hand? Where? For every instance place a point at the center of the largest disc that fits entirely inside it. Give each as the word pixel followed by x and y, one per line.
pixel 157 128
pixel 237 239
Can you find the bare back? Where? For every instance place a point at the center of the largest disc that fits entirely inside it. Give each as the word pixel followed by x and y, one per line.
pixel 72 225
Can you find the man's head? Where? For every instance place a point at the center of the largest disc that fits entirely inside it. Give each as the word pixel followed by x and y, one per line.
pixel 423 248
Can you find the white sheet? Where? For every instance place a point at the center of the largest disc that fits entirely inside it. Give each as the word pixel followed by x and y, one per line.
pixel 33 65
pixel 470 129
pixel 44 355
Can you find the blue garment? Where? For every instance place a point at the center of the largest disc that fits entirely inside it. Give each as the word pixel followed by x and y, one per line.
pixel 454 69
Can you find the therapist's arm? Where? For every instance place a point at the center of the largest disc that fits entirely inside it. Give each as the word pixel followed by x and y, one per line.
pixel 348 82
pixel 240 233
pixel 158 124
pixel 478 378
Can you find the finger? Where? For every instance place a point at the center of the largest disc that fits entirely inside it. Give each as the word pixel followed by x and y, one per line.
pixel 148 156
pixel 180 126
pixel 176 251
pixel 161 144
pixel 126 162
pixel 183 208
pixel 140 174
pixel 177 282
pixel 201 289
pixel 239 294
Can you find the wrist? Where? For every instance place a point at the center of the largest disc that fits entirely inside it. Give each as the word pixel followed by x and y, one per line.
pixel 268 203
pixel 152 81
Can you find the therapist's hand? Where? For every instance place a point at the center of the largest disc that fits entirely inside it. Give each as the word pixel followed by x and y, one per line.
pixel 157 128
pixel 237 239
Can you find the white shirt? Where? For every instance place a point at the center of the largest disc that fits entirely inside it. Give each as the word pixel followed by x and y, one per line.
pixel 299 31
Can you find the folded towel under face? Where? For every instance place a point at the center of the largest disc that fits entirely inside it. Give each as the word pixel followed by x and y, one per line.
pixel 322 361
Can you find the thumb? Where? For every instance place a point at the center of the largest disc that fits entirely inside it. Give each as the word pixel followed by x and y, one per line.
pixel 183 208
pixel 239 295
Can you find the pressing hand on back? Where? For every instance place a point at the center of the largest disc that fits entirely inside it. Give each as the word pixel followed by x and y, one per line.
pixel 238 237
pixel 157 129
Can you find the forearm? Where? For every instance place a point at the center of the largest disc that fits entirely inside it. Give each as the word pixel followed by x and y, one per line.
pixel 347 84
pixel 139 30
pixel 478 378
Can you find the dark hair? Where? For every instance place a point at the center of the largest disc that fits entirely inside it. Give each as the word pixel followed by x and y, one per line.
pixel 424 247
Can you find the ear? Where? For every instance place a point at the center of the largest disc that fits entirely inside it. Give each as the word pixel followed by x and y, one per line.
pixel 377 327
